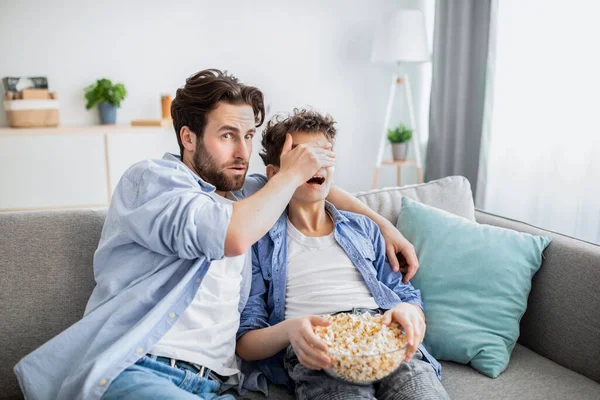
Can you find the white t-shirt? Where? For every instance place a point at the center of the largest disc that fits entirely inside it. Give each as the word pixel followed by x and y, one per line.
pixel 321 278
pixel 206 331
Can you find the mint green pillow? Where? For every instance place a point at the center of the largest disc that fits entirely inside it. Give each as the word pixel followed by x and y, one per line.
pixel 474 280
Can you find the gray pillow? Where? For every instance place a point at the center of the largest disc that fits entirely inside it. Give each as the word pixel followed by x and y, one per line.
pixel 452 194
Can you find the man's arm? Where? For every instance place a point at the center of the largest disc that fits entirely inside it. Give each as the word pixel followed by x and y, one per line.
pixel 177 218
pixel 405 290
pixel 253 216
pixel 395 241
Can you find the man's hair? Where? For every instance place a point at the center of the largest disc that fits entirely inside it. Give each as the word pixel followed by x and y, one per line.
pixel 301 120
pixel 203 92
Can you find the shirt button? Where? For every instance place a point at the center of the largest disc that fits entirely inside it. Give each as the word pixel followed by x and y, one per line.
pixel 139 350
pixel 172 315
pixel 103 382
pixel 198 280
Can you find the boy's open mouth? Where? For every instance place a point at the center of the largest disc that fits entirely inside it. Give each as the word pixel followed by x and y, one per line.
pixel 319 180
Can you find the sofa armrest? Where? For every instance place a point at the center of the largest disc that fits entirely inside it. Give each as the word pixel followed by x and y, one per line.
pixel 562 321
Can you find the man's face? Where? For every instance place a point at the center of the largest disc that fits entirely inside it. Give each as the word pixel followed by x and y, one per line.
pixel 222 155
pixel 317 188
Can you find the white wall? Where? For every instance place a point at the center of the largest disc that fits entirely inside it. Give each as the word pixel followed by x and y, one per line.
pixel 310 53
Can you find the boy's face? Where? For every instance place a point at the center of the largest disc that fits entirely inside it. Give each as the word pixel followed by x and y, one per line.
pixel 317 188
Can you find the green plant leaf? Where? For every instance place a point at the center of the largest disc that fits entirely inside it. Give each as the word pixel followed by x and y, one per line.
pixel 104 90
pixel 400 134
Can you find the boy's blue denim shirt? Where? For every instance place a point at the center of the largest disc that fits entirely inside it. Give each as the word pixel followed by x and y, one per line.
pixel 362 241
pixel 162 230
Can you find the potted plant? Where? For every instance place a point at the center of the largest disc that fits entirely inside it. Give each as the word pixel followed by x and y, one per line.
pixel 399 139
pixel 107 96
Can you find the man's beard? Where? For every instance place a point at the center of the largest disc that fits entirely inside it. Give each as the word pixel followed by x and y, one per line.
pixel 208 170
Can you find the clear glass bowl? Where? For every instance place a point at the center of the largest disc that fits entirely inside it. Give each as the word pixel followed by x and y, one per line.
pixel 364 369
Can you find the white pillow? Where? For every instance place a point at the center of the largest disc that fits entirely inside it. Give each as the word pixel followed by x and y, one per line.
pixel 452 194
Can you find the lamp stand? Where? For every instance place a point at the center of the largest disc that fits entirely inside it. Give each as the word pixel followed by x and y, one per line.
pixel 405 82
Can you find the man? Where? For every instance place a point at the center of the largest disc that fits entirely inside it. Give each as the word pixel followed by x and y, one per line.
pixel 171 271
pixel 326 261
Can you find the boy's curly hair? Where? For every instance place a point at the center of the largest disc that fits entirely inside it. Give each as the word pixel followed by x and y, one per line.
pixel 301 120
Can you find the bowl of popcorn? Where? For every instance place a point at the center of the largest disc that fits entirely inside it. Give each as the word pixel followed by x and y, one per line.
pixel 362 349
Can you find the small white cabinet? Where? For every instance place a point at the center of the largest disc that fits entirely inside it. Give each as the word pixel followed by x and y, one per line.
pixel 127 148
pixel 59 168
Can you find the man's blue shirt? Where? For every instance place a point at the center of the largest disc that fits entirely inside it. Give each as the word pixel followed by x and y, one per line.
pixel 162 230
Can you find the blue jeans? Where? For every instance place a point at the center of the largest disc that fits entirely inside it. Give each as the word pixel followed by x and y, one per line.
pixel 151 379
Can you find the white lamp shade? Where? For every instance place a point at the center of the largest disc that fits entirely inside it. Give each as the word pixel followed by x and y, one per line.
pixel 402 38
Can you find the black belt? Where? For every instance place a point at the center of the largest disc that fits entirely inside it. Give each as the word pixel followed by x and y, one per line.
pixel 199 370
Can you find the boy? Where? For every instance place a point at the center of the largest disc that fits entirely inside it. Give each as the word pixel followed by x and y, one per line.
pixel 317 260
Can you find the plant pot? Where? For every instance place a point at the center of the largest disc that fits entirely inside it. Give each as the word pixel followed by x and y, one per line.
pixel 108 113
pixel 399 151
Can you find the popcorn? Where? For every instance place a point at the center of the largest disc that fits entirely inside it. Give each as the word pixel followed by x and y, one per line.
pixel 361 348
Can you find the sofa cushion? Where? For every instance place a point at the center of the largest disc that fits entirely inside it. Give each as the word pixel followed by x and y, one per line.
pixel 528 376
pixel 474 281
pixel 452 194
pixel 564 294
pixel 46 280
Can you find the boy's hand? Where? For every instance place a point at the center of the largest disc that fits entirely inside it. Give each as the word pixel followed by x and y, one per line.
pixel 309 349
pixel 411 318
pixel 397 245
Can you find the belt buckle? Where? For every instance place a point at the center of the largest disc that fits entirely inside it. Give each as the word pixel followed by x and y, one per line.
pixel 200 368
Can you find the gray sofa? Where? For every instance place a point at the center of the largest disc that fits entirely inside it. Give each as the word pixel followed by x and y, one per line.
pixel 46 279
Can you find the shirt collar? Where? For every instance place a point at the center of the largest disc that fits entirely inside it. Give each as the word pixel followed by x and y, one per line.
pixel 281 225
pixel 205 186
pixel 337 216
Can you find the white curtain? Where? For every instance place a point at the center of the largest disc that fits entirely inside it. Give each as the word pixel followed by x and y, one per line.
pixel 541 157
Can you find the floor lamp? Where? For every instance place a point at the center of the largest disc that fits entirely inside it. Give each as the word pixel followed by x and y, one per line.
pixel 401 40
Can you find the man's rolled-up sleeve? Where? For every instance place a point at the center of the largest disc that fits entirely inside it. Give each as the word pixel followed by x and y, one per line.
pixel 255 314
pixel 175 220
